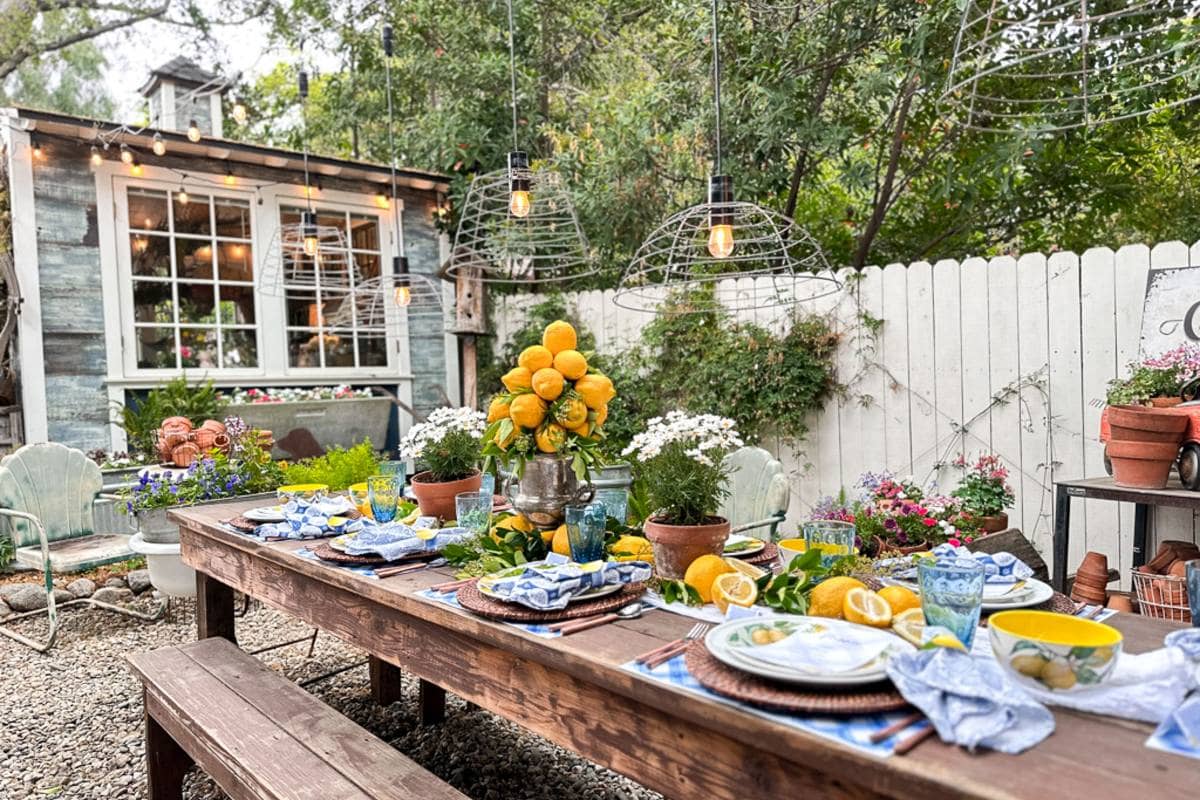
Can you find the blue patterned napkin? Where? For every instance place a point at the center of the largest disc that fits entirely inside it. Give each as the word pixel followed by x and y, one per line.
pixel 548 586
pixel 309 519
pixel 1001 568
pixel 970 700
pixel 1179 733
pixel 394 540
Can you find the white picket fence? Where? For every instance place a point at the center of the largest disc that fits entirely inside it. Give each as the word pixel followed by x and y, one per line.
pixel 1008 355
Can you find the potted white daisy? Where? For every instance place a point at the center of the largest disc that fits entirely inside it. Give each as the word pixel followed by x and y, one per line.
pixel 447 444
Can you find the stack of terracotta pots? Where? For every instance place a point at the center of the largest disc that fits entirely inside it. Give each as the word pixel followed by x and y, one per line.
pixel 1091 580
pixel 1144 445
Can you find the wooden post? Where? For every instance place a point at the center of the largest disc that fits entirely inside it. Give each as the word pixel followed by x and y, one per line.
pixel 469 323
pixel 469 363
pixel 386 681
pixel 166 763
pixel 214 608
pixel 432 700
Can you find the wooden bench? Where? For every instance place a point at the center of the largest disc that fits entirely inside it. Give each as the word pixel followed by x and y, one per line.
pixel 260 735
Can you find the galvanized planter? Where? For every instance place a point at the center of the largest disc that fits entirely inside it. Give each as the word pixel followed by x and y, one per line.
pixel 545 489
pixel 331 423
pixel 157 529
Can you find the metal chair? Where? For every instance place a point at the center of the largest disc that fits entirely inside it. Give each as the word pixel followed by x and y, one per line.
pixel 758 493
pixel 47 492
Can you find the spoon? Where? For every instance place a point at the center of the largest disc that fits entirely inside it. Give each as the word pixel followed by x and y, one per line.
pixel 631 611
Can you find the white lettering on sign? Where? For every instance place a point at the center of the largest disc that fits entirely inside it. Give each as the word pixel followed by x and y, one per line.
pixel 1171 313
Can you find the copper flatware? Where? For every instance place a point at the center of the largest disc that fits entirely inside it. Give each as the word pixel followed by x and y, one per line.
pixel 905 745
pixel 451 586
pixel 897 726
pixel 668 651
pixel 631 611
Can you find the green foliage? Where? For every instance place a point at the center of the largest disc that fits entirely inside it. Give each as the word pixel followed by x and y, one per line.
pixel 7 550
pixel 338 467
pixel 1142 384
pixel 681 489
pixel 453 457
pixel 141 418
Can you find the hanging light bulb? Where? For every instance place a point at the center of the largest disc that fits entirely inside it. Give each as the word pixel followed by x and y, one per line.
pixel 402 294
pixel 182 196
pixel 518 183
pixel 311 235
pixel 96 158
pixel 229 179
pixel 135 169
pixel 720 231
pixel 239 112
pixel 38 153
pixel 159 146
pixel 193 131
pixel 126 155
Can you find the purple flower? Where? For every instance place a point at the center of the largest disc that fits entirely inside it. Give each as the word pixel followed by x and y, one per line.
pixel 890 524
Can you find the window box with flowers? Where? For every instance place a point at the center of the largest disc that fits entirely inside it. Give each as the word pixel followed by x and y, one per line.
pixel 307 421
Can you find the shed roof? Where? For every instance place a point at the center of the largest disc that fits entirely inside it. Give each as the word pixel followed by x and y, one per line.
pixel 181 70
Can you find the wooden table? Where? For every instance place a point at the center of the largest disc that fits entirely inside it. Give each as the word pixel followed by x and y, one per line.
pixel 1105 489
pixel 572 691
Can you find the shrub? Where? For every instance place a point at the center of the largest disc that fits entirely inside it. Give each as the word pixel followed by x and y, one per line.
pixel 338 468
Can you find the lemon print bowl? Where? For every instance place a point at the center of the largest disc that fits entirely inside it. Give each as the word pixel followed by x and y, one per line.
pixel 1054 651
pixel 789 549
pixel 306 491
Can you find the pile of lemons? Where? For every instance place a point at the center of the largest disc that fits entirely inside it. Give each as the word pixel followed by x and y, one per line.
pixel 551 395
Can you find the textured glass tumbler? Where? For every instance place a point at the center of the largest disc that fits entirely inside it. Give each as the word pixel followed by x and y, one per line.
pixel 397 468
pixel 833 537
pixel 615 502
pixel 585 532
pixel 952 596
pixel 383 492
pixel 474 511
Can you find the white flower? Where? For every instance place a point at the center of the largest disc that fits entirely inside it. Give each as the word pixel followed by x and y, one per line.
pixel 700 434
pixel 441 423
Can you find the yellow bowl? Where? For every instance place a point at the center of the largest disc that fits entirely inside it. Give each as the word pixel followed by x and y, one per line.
pixel 361 498
pixel 1054 651
pixel 789 549
pixel 305 490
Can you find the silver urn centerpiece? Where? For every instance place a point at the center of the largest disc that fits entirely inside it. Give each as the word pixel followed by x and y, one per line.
pixel 546 487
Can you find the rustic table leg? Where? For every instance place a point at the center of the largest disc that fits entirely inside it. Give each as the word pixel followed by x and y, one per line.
pixel 433 703
pixel 1141 514
pixel 166 764
pixel 386 681
pixel 214 608
pixel 1062 535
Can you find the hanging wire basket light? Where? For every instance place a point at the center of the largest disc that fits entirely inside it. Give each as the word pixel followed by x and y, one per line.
pixel 1053 65
pixel 385 305
pixel 304 256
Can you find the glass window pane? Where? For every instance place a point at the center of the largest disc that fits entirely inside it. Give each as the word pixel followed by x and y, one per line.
pixel 193 259
pixel 368 265
pixel 290 215
pixel 150 255
pixel 332 219
pixel 372 351
pixel 331 303
pixel 235 261
pixel 197 304
pixel 192 216
pixel 302 310
pixel 339 348
pixel 147 210
pixel 233 218
pixel 155 348
pixel 364 232
pixel 152 302
pixel 198 347
pixel 237 305
pixel 304 348
pixel 240 349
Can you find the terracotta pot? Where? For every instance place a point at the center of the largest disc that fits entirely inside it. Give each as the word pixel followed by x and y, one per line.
pixel 213 425
pixel 1091 579
pixel 1142 424
pixel 994 523
pixel 183 455
pixel 436 499
pixel 204 438
pixel 222 442
pixel 882 546
pixel 171 424
pixel 1165 402
pixel 1120 602
pixel 1141 465
pixel 677 546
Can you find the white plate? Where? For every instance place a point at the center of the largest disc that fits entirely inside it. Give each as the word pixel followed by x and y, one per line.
pixel 484 585
pixel 265 514
pixel 1035 593
pixel 726 640
pixel 754 546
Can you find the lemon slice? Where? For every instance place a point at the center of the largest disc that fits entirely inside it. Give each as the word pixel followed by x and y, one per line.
pixel 910 625
pixel 749 570
pixel 425 534
pixel 864 607
pixel 940 637
pixel 733 588
pixel 412 517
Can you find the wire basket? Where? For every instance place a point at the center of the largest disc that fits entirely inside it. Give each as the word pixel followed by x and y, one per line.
pixel 1162 596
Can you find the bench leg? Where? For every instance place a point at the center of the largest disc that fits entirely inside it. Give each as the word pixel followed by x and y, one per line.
pixel 432 700
pixel 214 609
pixel 386 681
pixel 166 764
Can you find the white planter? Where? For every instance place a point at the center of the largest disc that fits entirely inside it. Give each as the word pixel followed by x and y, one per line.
pixel 168 573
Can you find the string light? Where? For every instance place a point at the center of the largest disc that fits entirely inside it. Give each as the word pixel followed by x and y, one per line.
pixel 135 169
pixel 159 146
pixel 382 201
pixel 239 113
pixel 38 153
pixel 182 196
pixel 126 155
pixel 97 159
pixel 229 179
pixel 193 131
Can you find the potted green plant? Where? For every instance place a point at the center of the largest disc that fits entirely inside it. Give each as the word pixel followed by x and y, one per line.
pixel 681 458
pixel 448 445
pixel 985 493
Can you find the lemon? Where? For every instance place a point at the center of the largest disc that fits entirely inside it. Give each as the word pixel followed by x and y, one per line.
pixel 535 358
pixel 548 383
pixel 864 607
pixel 945 639
pixel 702 572
pixel 827 596
pixel 596 391
pixel 735 589
pixel 558 541
pixel 749 570
pixel 559 336
pixel 571 364
pixel 497 410
pixel 425 534
pixel 527 410
pixel 551 438
pixel 571 413
pixel 503 441
pixel 900 598
pixel 517 378
pixel 910 625
pixel 632 548
pixel 601 415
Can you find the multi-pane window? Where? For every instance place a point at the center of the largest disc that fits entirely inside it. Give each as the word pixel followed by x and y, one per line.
pixel 192 267
pixel 312 341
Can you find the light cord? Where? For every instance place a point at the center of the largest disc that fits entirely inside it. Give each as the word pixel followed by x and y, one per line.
pixel 716 82
pixel 512 70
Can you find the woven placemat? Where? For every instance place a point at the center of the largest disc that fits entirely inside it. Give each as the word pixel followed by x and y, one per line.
pixel 326 553
pixel 792 698
pixel 242 524
pixel 470 599
pixel 765 556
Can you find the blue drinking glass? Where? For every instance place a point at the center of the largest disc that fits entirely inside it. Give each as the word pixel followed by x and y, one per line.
pixel 397 468
pixel 615 502
pixel 474 511
pixel 952 596
pixel 585 532
pixel 1193 590
pixel 833 537
pixel 487 484
pixel 383 492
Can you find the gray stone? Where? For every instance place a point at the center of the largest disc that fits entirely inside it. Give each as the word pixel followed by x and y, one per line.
pixel 4 609
pixel 138 580
pixel 62 596
pixel 82 587
pixel 24 596
pixel 115 583
pixel 113 595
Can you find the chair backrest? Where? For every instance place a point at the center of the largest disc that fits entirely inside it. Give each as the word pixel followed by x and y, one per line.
pixel 53 482
pixel 758 487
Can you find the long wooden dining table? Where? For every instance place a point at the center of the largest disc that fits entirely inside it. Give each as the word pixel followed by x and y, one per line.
pixel 574 691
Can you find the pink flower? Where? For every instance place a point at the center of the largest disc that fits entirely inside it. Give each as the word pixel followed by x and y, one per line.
pixel 955 542
pixel 929 522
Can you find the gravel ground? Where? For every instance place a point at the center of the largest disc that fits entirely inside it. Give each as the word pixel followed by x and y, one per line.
pixel 71 725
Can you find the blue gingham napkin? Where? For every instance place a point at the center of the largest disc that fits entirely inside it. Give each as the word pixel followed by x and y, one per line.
pixel 1001 568
pixel 309 519
pixel 393 540
pixel 451 599
pixel 546 586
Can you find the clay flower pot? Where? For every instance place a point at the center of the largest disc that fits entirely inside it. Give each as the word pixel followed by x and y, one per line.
pixel 1091 579
pixel 436 499
pixel 1165 402
pixel 176 425
pixel 213 425
pixel 994 523
pixel 183 455
pixel 1142 465
pixel 882 546
pixel 677 546
pixel 1142 424
pixel 204 438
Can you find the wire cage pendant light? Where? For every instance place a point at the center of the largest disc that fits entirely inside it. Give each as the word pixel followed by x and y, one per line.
pixel 720 242
pixel 1053 65
pixel 518 225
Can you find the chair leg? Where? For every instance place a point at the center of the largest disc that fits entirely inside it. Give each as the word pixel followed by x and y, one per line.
pixel 42 647
pixel 166 763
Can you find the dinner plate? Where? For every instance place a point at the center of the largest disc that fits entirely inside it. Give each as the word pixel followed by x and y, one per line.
pixel 484 585
pixel 743 546
pixel 339 542
pixel 265 514
pixel 732 642
pixel 1035 593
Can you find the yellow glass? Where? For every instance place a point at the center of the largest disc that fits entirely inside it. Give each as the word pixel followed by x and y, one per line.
pixel 361 498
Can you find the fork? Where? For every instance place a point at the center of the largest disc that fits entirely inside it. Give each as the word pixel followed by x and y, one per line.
pixel 661 655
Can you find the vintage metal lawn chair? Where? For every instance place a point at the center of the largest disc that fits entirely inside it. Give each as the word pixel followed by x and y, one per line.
pixel 758 493
pixel 47 492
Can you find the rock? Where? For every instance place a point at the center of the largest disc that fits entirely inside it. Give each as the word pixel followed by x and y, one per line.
pixel 24 596
pixel 4 609
pixel 82 587
pixel 138 580
pixel 112 595
pixel 115 583
pixel 62 596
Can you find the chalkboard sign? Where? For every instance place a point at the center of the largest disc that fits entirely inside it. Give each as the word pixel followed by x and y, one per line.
pixel 1171 314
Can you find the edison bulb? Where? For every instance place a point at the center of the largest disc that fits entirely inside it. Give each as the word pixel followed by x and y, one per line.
pixel 193 131
pixel 720 241
pixel 518 203
pixel 159 146
pixel 310 245
pixel 182 196
pixel 402 295
pixel 97 159
pixel 126 155
pixel 239 113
